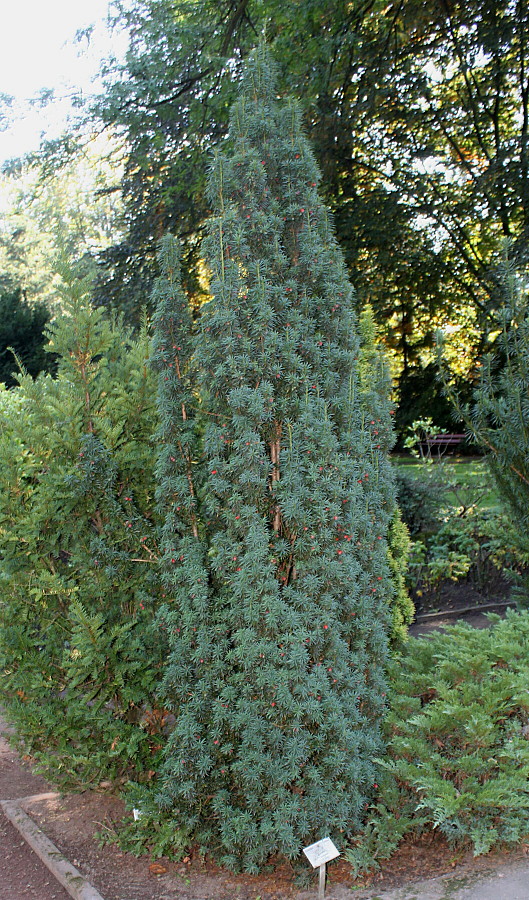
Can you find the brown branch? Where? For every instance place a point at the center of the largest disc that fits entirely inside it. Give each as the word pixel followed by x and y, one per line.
pixel 236 18
pixel 275 451
pixel 97 522
pixel 483 440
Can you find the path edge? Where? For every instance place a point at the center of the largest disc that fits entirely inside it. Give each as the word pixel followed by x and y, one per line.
pixel 71 879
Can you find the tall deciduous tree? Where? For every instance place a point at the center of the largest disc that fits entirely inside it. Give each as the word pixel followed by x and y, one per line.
pixel 60 203
pixel 418 114
pixel 276 536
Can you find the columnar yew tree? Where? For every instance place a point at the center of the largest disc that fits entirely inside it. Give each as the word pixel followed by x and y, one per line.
pixel 275 547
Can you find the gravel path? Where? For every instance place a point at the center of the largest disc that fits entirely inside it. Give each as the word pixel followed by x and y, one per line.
pixel 22 875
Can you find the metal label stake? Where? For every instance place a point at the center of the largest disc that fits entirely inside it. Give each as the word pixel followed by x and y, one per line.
pixel 321 891
pixel 319 854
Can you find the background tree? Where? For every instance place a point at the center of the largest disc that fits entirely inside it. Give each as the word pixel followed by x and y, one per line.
pixel 275 545
pixel 418 116
pixel 61 203
pixel 22 333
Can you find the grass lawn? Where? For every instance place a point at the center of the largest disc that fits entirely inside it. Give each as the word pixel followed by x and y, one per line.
pixel 467 478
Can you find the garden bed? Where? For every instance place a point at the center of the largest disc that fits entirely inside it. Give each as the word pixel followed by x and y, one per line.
pixel 73 821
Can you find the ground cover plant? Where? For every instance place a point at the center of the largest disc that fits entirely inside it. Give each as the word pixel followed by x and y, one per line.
pixel 458 741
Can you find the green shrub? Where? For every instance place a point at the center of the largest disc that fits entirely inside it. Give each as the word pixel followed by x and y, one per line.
pixel 458 741
pixel 419 499
pixel 477 547
pixel 402 606
pixel 78 649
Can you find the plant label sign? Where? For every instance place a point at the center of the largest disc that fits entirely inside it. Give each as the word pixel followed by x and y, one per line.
pixel 321 852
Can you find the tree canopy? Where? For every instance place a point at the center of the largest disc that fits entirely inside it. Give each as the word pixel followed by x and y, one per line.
pixel 418 115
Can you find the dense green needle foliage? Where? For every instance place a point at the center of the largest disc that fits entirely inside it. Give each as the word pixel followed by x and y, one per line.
pixel 78 649
pixel 457 742
pixel 375 387
pixel 278 496
pixel 22 333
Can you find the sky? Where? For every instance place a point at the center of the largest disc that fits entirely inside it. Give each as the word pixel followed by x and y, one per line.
pixel 38 51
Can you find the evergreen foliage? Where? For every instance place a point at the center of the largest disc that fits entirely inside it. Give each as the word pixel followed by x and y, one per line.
pixel 278 497
pixel 500 413
pixel 78 649
pixel 375 387
pixel 458 753
pixel 413 110
pixel 402 607
pixel 498 418
pixel 22 334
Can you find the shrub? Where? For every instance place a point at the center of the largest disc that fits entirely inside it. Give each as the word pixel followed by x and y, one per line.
pixel 79 653
pixel 458 741
pixel 402 606
pixel 477 547
pixel 419 500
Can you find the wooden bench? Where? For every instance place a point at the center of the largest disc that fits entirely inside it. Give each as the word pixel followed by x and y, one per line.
pixel 443 441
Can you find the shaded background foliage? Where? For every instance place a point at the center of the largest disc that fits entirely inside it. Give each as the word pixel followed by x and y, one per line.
pixel 22 337
pixel 418 116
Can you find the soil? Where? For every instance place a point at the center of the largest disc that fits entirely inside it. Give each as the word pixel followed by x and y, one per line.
pixel 22 875
pixel 73 822
pixel 461 601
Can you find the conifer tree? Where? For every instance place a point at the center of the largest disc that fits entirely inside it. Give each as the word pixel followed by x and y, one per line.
pixel 375 386
pixel 276 527
pixel 498 418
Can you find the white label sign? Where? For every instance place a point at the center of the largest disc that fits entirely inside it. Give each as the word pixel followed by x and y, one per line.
pixel 321 852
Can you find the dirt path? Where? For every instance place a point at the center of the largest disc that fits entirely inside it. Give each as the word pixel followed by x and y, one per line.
pixel 22 875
